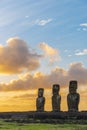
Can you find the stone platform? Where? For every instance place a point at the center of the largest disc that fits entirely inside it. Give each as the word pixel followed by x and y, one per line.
pixel 45 117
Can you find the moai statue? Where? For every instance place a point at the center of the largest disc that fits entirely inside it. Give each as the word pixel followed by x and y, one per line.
pixel 73 97
pixel 56 98
pixel 40 101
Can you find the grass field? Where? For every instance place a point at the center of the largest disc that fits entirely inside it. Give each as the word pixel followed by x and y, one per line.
pixel 23 126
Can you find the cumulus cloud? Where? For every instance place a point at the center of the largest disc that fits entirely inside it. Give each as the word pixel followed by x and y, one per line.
pixel 16 57
pixel 50 52
pixel 61 76
pixel 78 72
pixel 80 53
pixel 42 22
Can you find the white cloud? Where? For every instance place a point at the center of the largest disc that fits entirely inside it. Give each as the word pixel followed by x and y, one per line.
pixel 80 53
pixel 42 22
pixel 69 55
pixel 83 24
pixel 83 27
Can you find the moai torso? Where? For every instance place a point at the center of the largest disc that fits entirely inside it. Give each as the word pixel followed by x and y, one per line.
pixel 40 101
pixel 73 97
pixel 56 98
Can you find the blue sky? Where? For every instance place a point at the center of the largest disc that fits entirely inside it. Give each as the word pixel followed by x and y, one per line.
pixel 60 24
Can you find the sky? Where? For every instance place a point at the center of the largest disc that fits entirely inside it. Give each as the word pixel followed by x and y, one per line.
pixel 42 42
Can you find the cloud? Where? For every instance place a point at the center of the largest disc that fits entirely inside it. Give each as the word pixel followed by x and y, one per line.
pixel 69 55
pixel 16 57
pixel 42 22
pixel 83 24
pixel 78 72
pixel 61 76
pixel 80 53
pixel 50 52
pixel 83 27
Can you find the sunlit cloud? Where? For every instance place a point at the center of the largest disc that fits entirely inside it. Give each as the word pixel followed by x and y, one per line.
pixel 78 72
pixel 50 52
pixel 16 57
pixel 59 75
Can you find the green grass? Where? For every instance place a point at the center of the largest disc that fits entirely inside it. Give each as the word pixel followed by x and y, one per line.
pixel 22 126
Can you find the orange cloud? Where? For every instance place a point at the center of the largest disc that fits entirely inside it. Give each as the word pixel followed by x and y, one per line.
pixel 50 52
pixel 28 81
pixel 16 57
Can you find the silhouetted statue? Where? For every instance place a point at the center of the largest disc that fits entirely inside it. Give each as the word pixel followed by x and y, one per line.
pixel 73 97
pixel 40 101
pixel 56 98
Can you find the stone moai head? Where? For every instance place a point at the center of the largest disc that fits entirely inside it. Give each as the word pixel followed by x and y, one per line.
pixel 55 89
pixel 72 87
pixel 40 92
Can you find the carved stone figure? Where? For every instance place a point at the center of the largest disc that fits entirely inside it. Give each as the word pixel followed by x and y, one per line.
pixel 73 97
pixel 40 101
pixel 56 98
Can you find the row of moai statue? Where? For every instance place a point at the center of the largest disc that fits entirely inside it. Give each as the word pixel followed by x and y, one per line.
pixel 73 98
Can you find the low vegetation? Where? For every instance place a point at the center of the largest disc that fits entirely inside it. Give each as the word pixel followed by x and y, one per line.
pixel 37 126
